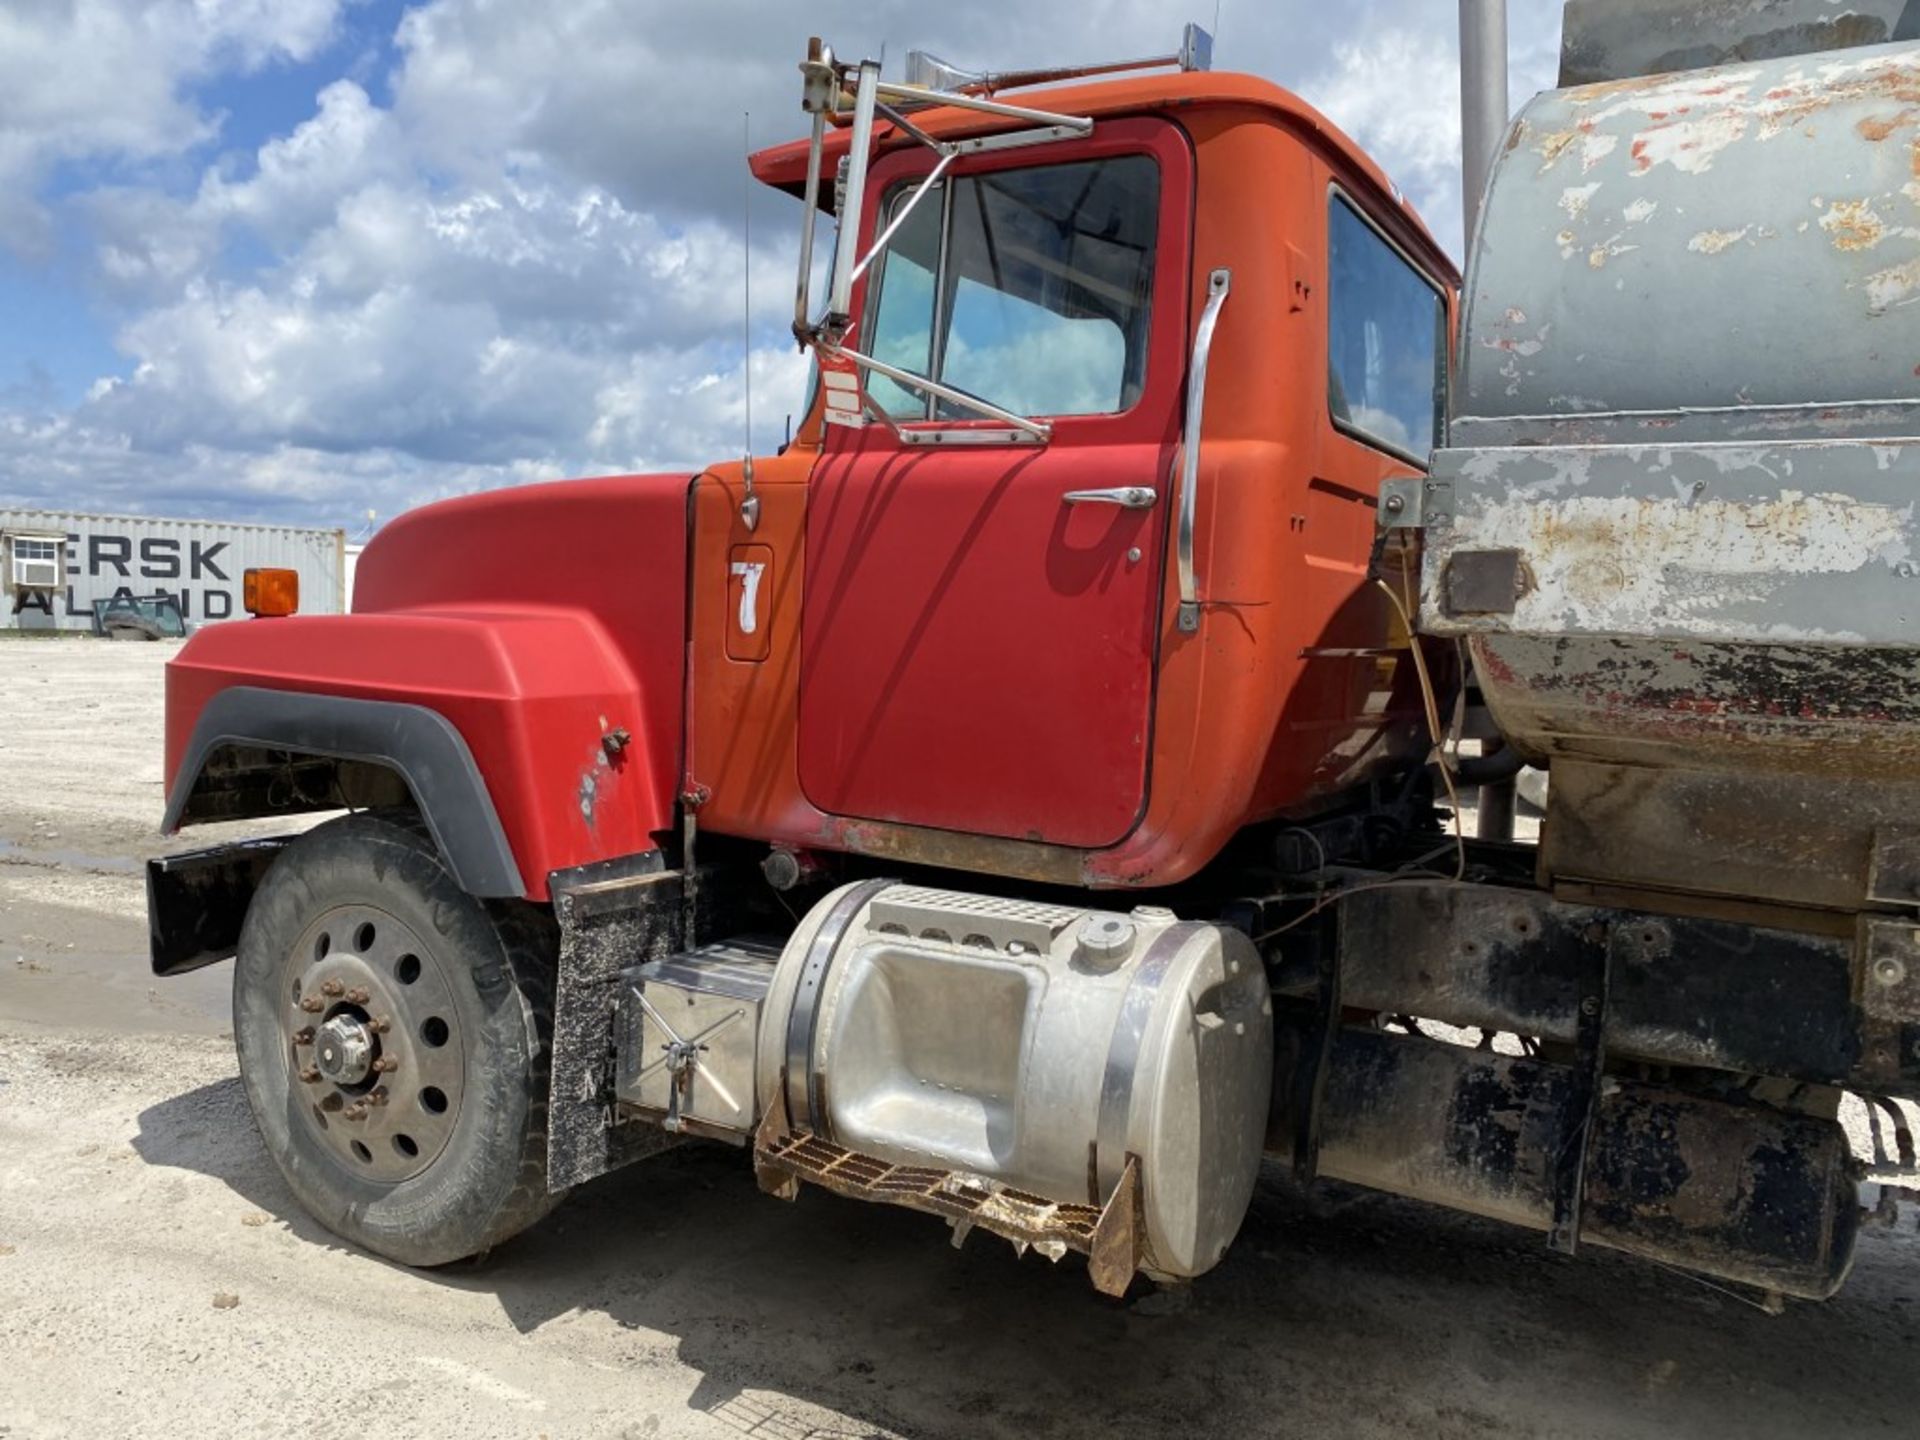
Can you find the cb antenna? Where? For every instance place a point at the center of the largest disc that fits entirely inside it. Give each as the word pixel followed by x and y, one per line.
pixel 749 503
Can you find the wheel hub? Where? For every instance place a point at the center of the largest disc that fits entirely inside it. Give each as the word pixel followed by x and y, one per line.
pixel 373 1042
pixel 343 1050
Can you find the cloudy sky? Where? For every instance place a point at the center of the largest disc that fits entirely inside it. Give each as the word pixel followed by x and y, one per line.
pixel 297 260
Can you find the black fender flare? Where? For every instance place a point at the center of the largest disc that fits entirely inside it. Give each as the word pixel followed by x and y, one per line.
pixel 419 744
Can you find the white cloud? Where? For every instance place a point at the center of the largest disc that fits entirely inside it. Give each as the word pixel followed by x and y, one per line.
pixel 106 78
pixel 649 105
pixel 299 178
pixel 1395 88
pixel 476 326
pixel 528 263
pixel 468 326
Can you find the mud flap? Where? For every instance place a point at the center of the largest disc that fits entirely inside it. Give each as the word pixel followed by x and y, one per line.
pixel 612 915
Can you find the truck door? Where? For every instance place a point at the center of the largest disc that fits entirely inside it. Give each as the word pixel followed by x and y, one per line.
pixel 981 616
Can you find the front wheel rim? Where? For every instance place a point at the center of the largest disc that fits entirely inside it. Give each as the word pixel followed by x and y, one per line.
pixel 373 1043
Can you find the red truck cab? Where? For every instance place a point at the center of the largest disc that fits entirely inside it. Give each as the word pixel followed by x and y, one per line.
pixel 923 647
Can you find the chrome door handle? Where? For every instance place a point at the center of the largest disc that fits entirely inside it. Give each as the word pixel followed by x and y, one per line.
pixel 1127 497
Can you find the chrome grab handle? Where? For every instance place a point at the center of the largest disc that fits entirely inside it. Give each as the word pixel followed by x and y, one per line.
pixel 1127 497
pixel 1217 284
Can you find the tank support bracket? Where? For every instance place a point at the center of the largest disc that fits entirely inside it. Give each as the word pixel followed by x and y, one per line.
pixel 1316 1051
pixel 1111 1236
pixel 1116 1239
pixel 1590 1051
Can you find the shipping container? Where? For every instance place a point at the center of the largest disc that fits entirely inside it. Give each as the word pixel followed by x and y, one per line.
pixel 353 562
pixel 57 564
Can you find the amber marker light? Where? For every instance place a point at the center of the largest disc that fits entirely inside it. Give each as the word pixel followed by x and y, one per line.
pixel 271 592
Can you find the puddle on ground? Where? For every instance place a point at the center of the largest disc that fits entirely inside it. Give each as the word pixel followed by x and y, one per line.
pixel 14 853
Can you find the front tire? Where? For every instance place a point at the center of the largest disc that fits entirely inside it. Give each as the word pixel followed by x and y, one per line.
pixel 394 1036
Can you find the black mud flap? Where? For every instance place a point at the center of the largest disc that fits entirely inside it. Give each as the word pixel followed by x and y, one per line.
pixel 612 915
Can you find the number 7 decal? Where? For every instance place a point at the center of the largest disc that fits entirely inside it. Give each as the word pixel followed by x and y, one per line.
pixel 749 573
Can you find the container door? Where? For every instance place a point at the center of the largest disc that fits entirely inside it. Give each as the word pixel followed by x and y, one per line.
pixel 980 618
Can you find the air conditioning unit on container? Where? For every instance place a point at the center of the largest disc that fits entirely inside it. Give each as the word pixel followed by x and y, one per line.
pixel 35 560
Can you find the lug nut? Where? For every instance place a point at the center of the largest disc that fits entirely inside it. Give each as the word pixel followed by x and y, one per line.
pixel 304 1035
pixel 377 1098
pixel 379 1024
pixel 310 1075
pixel 313 1005
pixel 355 1111
pixel 332 988
pixel 386 1063
pixel 357 996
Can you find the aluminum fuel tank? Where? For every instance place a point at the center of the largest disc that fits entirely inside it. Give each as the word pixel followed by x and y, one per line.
pixel 1033 1046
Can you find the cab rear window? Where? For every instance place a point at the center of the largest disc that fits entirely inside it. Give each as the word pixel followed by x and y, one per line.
pixel 1386 341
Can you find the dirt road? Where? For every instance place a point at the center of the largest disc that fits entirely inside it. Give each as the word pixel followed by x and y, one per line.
pixel 674 1300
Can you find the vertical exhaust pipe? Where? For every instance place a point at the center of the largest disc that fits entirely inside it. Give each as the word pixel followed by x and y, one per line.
pixel 1483 101
pixel 1484 113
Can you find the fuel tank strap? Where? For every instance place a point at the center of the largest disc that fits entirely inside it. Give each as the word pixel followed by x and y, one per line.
pixel 1123 1058
pixel 806 1109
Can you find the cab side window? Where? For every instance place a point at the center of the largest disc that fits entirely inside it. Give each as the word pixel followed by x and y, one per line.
pixel 1029 288
pixel 1386 341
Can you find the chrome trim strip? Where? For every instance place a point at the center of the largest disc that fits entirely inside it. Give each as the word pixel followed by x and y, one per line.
pixel 1014 139
pixel 937 349
pixel 955 435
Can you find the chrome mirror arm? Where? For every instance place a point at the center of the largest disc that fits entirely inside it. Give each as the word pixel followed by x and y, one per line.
pixel 803 298
pixel 840 299
pixel 906 127
pixel 1038 429
pixel 819 82
pixel 913 94
pixel 823 91
pixel 920 192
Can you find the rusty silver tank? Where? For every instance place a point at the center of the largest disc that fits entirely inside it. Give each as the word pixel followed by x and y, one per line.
pixel 1674 518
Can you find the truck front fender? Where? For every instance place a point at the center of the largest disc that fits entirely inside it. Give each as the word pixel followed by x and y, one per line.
pixel 416 743
pixel 518 732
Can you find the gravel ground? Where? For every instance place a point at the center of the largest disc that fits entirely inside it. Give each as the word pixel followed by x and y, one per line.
pixel 156 1278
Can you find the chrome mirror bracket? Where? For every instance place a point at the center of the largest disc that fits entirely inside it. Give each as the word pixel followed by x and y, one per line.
pixel 824 89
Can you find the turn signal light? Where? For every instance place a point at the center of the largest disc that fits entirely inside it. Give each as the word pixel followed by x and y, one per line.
pixel 271 592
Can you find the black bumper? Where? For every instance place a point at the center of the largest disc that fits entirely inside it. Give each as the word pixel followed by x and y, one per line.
pixel 197 901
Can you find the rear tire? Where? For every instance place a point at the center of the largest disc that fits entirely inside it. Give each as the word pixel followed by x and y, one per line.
pixel 395 1037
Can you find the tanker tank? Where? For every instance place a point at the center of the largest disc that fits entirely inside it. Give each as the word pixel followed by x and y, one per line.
pixel 1673 517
